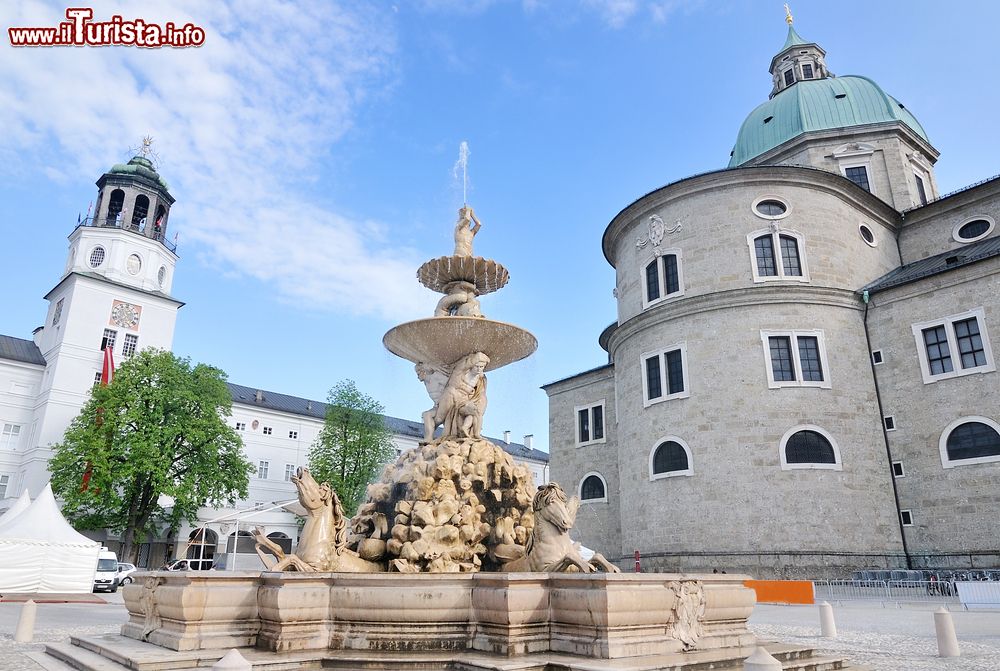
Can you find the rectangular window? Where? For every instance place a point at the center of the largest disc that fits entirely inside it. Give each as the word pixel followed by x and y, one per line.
pixel 590 423
pixel 654 389
pixel 268 430
pixel 4 482
pixel 877 357
pixel 906 517
pixel 790 255
pixel 789 77
pixel 130 344
pixel 108 340
pixel 859 175
pixel 897 469
pixel 663 277
pixel 262 467
pixel 795 358
pixel 10 437
pixel 289 472
pixel 666 374
pixel 97 378
pixel 764 250
pixel 921 193
pixel 954 346
pixel 807 71
pixel 890 422
pixel 241 426
pixel 57 313
pixel 293 434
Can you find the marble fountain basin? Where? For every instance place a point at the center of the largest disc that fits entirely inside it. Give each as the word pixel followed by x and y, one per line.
pixel 441 341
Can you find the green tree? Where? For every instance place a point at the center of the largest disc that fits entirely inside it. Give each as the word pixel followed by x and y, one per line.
pixel 353 445
pixel 158 429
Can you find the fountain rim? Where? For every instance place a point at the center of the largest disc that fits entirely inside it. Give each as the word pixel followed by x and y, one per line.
pixel 496 360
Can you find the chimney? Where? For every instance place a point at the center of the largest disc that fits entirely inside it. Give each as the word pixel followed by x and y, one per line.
pixel 259 397
pixel 527 440
pixel 506 436
pixel 309 405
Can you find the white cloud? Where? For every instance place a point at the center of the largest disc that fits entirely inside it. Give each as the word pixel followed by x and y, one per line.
pixel 614 12
pixel 238 122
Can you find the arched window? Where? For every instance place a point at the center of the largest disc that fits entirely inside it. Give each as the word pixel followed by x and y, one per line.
pixel 809 447
pixel 777 255
pixel 139 211
pixel 593 488
pixel 970 440
pixel 115 205
pixel 202 543
pixel 669 458
pixel 663 277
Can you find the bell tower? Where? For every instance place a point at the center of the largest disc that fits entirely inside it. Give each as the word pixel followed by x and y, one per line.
pixel 115 293
pixel 797 61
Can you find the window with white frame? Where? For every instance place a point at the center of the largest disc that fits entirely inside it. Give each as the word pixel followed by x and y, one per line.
pixel 293 434
pixel 663 278
pixel 921 190
pixel 810 447
pixel 262 468
pixel 777 255
pixel 859 175
pixel 970 440
pixel 108 339
pixel 590 423
pixel 57 312
pixel 97 378
pixel 130 345
pixel 241 426
pixel 953 346
pixel 4 483
pixel 795 359
pixel 593 488
pixel 10 436
pixel 268 430
pixel 665 374
pixel 289 472
pixel 906 517
pixel 670 457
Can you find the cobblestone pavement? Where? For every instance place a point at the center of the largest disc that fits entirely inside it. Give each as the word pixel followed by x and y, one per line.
pixel 886 639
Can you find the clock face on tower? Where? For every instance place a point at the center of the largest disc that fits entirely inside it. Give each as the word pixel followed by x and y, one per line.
pixel 126 315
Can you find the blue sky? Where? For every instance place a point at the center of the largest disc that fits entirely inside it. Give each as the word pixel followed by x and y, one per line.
pixel 310 147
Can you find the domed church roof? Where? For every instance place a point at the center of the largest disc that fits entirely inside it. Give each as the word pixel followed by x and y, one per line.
pixel 139 165
pixel 808 98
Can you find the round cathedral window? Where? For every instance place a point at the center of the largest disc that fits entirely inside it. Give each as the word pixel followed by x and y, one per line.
pixel 770 207
pixel 97 257
pixel 161 275
pixel 867 235
pixel 972 230
pixel 133 264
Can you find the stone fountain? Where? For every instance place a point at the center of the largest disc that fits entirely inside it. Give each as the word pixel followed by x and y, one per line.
pixel 455 561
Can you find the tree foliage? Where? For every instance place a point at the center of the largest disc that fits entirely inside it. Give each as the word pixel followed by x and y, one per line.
pixel 158 429
pixel 353 445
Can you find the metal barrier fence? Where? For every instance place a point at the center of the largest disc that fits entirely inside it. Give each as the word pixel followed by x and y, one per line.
pixel 971 594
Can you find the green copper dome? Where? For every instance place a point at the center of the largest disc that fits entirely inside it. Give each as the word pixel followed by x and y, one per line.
pixel 816 105
pixel 139 165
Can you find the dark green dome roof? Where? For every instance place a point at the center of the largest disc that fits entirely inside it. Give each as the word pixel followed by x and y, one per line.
pixel 815 105
pixel 142 166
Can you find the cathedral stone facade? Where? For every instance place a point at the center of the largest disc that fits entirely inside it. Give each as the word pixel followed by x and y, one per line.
pixel 801 378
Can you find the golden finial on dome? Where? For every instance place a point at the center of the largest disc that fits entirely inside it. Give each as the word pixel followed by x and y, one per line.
pixel 788 15
pixel 147 145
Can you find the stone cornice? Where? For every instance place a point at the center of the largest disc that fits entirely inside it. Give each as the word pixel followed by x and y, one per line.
pixel 582 379
pixel 775 294
pixel 819 180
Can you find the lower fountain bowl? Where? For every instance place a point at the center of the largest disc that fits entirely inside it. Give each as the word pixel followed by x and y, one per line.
pixel 441 341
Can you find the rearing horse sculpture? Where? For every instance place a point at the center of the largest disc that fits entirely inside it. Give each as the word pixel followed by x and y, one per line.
pixel 550 548
pixel 323 541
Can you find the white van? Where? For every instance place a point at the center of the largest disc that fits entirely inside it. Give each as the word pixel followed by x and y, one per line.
pixel 106 576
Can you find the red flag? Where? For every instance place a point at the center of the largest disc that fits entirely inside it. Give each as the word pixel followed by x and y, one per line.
pixel 108 371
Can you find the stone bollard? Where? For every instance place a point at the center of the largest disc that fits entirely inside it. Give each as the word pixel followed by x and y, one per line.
pixel 945 629
pixel 827 625
pixel 25 630
pixel 233 661
pixel 761 660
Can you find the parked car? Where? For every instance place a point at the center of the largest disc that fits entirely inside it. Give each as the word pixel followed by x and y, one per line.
pixel 125 572
pixel 106 575
pixel 176 565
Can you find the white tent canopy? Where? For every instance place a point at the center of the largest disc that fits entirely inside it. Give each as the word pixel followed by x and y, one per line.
pixel 23 501
pixel 41 552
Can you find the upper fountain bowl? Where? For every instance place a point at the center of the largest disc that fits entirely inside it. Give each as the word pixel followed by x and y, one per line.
pixel 486 274
pixel 441 341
